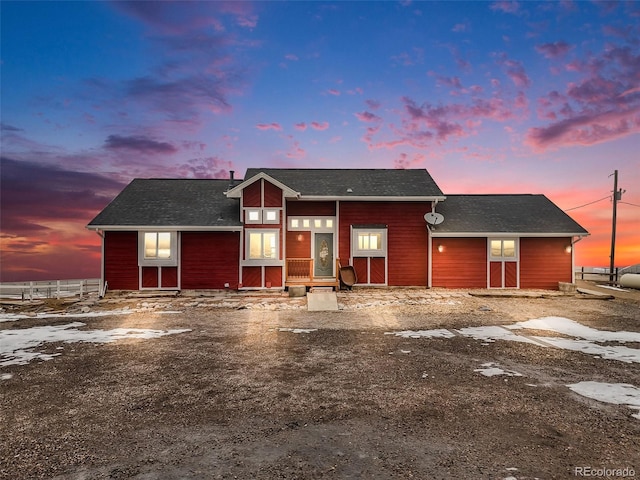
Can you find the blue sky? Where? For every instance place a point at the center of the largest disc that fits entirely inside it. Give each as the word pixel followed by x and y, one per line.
pixel 490 97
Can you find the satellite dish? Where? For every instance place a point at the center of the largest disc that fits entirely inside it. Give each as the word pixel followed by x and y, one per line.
pixel 433 218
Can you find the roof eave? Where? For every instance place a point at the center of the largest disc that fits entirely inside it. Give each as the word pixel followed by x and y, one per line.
pixel 436 233
pixel 177 228
pixel 372 198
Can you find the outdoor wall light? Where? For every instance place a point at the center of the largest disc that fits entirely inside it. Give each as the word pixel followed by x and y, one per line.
pixel 441 248
pixel 299 237
pixel 567 249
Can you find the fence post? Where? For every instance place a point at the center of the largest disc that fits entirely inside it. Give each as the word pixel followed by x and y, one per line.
pixel 81 289
pixel 31 291
pixel 58 289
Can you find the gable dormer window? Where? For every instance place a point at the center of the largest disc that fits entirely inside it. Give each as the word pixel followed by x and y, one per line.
pixel 257 216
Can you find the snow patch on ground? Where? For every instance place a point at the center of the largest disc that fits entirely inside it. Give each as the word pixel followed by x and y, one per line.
pixel 489 369
pixel 586 339
pixel 438 333
pixel 16 346
pixel 298 330
pixel 616 393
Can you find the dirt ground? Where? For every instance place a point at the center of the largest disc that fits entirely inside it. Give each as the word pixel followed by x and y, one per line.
pixel 237 397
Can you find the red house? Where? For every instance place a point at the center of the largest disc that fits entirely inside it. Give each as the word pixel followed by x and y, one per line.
pixel 283 227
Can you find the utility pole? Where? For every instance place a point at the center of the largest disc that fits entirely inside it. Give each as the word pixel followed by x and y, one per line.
pixel 617 195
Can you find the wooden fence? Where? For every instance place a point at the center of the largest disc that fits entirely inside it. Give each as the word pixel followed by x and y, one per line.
pixel 49 289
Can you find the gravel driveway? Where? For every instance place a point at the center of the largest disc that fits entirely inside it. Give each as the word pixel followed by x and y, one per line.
pixel 249 387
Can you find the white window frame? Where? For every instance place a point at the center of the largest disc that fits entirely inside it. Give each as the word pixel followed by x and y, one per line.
pixel 310 224
pixel 502 257
pixel 146 261
pixel 265 214
pixel 247 214
pixel 358 252
pixel 275 260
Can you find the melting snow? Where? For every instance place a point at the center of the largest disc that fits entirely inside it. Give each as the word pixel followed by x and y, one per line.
pixel 586 338
pixel 617 393
pixel 489 370
pixel 439 333
pixel 298 330
pixel 16 346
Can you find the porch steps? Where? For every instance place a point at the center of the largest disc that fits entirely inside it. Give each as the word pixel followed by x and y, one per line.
pixel 322 299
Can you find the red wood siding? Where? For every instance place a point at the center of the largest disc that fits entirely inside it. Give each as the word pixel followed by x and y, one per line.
pixel 406 237
pixel 149 277
pixel 121 260
pixel 510 274
pixel 252 276
pixel 495 274
pixel 376 270
pixel 544 262
pixel 318 209
pixel 169 277
pixel 360 266
pixel 252 195
pixel 272 195
pixel 298 244
pixel 273 275
pixel 461 264
pixel 209 259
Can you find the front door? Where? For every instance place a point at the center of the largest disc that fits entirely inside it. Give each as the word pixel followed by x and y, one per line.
pixel 323 255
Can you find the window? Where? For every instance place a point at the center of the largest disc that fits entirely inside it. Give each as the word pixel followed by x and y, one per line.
pixel 369 242
pixel 263 245
pixel 253 215
pixel 271 216
pixel 314 224
pixel 157 245
pixel 158 248
pixel 503 248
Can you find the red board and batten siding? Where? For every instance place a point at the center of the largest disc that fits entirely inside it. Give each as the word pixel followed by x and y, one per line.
pixel 209 259
pixel 544 262
pixel 461 264
pixel 121 260
pixel 406 238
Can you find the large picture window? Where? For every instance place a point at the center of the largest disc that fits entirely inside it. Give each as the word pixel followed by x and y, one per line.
pixel 263 245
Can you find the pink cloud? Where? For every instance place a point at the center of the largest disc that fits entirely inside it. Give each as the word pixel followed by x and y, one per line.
pixel 334 92
pixel 300 126
pixel 139 144
pixel 514 70
pixel 553 50
pixel 373 104
pixel 367 117
pixel 506 7
pixel 320 125
pixel 269 126
pixel 291 57
pixel 586 129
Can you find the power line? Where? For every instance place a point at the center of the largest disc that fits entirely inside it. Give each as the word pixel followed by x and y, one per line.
pixel 627 203
pixel 590 203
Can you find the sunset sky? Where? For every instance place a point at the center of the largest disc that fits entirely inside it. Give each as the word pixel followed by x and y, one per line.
pixel 490 97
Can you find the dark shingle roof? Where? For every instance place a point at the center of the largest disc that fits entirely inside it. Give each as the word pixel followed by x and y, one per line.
pixel 529 214
pixel 313 182
pixel 171 202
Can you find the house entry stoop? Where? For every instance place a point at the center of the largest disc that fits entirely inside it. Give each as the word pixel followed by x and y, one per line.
pixel 322 299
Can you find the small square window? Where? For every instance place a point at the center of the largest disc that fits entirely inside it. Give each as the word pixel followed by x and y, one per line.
pixel 271 216
pixel 317 223
pixel 253 216
pixel 295 223
pixel 329 223
pixel 306 223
